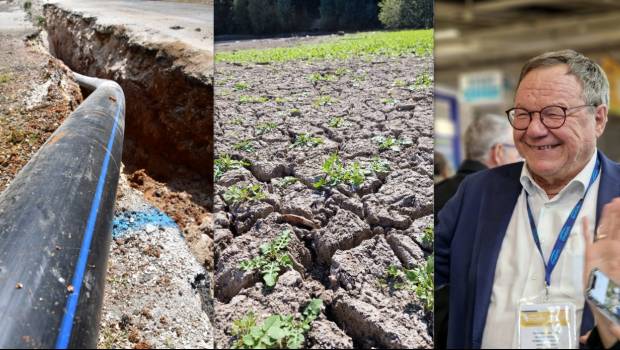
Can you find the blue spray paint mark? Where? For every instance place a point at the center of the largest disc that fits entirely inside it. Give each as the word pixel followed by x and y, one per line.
pixel 128 221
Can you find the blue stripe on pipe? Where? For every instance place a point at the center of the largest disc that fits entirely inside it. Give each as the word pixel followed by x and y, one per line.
pixel 64 334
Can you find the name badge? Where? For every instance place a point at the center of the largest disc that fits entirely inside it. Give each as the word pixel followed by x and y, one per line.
pixel 547 326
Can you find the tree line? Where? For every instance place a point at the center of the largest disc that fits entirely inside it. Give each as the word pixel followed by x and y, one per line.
pixel 286 16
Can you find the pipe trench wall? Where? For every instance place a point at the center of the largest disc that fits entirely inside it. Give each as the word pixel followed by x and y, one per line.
pixel 169 100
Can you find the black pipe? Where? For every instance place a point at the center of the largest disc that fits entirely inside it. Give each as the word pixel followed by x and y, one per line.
pixel 55 228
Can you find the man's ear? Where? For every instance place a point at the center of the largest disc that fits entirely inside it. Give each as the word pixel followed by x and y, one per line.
pixel 496 155
pixel 601 119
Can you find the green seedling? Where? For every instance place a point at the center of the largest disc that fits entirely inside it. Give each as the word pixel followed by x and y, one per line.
pixel 359 77
pixel 240 86
pixel 391 143
pixel 335 173
pixel 237 121
pixel 295 112
pixel 276 331
pixel 252 99
pixel 389 101
pixel 281 100
pixel 340 71
pixel 226 163
pixel 392 272
pixel 324 100
pixel 5 78
pixel 264 128
pixel 423 81
pixel 287 181
pixel 378 166
pixel 422 279
pixel 272 260
pixel 236 194
pixel 400 83
pixel 418 280
pixel 41 21
pixel 305 140
pixel 336 122
pixel 244 145
pixel 428 236
pixel 317 76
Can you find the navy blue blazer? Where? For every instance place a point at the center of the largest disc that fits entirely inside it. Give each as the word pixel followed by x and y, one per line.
pixel 468 239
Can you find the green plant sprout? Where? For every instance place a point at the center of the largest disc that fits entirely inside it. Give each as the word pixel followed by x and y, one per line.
pixel 242 85
pixel 252 99
pixel 423 80
pixel 391 143
pixel 428 236
pixel 244 145
pixel 226 163
pixel 323 100
pixel 272 260
pixel 389 101
pixel 335 173
pixel 237 194
pixel 400 83
pixel 340 71
pixel 305 140
pixel 317 76
pixel 295 112
pixel 266 127
pixel 336 122
pixel 287 181
pixel 236 121
pixel 4 78
pixel 418 280
pixel 276 331
pixel 378 166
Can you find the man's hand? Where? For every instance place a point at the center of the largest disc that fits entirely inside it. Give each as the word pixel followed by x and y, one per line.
pixel 604 254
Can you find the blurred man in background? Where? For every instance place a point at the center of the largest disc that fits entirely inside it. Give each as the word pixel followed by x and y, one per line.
pixel 441 168
pixel 488 144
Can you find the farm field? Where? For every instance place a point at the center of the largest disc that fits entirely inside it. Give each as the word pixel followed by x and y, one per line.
pixel 323 194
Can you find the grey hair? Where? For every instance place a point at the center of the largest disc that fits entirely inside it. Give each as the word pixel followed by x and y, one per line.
pixel 483 133
pixel 594 83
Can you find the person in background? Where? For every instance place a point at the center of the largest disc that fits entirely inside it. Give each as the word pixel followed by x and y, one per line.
pixel 441 167
pixel 488 144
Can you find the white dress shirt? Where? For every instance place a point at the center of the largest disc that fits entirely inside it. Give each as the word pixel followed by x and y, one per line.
pixel 520 271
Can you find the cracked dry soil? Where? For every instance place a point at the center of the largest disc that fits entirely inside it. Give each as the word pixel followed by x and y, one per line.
pixel 344 238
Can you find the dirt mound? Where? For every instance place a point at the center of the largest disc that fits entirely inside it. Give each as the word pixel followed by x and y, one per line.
pixel 37 92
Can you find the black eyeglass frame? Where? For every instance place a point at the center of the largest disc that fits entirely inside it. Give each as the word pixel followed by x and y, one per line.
pixel 542 119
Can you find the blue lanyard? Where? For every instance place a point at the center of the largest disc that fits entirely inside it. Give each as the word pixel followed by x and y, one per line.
pixel 568 226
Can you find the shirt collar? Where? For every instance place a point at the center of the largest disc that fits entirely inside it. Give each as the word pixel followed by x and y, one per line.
pixel 579 182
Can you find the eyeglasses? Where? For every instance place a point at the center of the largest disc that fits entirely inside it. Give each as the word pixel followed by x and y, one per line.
pixel 552 117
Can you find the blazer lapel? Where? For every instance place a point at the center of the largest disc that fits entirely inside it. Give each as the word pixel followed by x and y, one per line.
pixel 496 210
pixel 609 188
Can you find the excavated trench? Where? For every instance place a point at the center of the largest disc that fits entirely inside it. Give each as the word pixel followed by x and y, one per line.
pixel 168 86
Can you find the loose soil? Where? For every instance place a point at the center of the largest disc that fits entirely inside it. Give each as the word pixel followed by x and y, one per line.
pixel 37 93
pixel 344 238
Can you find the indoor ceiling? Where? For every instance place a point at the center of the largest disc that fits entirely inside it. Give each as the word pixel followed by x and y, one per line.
pixel 476 32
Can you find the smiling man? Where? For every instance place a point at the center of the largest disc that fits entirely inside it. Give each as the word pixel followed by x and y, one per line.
pixel 510 241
